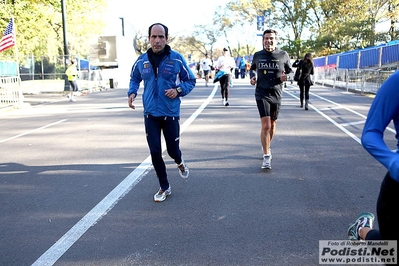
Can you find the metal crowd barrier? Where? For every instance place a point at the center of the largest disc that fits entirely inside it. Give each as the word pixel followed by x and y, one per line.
pixel 362 80
pixel 10 92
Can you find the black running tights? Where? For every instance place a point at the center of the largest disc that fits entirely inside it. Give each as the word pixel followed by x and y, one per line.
pixel 387 211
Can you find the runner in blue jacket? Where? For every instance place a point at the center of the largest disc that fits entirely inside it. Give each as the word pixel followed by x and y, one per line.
pixel 166 78
pixel 172 72
pixel 384 109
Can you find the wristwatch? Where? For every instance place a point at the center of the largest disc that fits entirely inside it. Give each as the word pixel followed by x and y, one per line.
pixel 179 90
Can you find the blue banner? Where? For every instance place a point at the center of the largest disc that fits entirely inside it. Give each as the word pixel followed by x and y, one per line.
pixel 260 22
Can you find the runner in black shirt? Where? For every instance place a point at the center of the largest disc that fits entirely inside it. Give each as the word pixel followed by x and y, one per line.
pixel 268 72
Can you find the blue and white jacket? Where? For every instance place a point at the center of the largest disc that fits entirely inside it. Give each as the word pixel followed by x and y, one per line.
pixel 172 72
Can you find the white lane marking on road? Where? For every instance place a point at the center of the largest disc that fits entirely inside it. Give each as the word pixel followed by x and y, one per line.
pixel 103 207
pixel 330 119
pixel 340 106
pixel 34 130
pixel 353 123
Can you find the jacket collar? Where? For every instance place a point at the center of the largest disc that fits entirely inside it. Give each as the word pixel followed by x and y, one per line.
pixel 164 52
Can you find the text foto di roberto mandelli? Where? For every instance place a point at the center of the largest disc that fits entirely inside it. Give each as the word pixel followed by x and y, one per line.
pixel 368 251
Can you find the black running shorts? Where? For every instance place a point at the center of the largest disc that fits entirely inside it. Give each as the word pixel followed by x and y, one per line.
pixel 267 108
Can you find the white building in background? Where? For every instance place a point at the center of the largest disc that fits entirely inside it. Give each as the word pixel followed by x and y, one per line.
pixel 114 52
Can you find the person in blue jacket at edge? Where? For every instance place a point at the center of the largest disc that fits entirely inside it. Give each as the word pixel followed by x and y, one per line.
pixel 167 77
pixel 383 110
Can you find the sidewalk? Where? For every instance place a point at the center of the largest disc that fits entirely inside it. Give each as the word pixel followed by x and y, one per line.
pixel 44 97
pixel 35 97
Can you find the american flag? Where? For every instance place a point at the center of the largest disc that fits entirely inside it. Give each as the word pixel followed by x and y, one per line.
pixel 8 39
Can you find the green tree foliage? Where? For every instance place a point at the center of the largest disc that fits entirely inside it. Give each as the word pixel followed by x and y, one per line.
pixel 245 13
pixel 247 10
pixel 319 26
pixel 392 13
pixel 39 30
pixel 293 16
pixel 345 25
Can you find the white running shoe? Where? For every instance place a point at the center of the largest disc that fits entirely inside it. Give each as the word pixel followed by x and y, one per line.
pixel 267 162
pixel 161 195
pixel 183 170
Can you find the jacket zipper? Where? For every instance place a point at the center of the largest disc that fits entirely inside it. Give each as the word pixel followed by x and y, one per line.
pixel 156 83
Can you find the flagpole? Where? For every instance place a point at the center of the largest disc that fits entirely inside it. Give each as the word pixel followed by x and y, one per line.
pixel 16 46
pixel 16 60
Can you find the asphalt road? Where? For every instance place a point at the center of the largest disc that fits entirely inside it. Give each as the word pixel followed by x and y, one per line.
pixel 76 183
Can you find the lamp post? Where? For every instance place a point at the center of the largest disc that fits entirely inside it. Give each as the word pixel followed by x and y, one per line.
pixel 123 25
pixel 66 52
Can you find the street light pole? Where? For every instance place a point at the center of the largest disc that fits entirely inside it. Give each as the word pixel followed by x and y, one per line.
pixel 123 25
pixel 66 52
